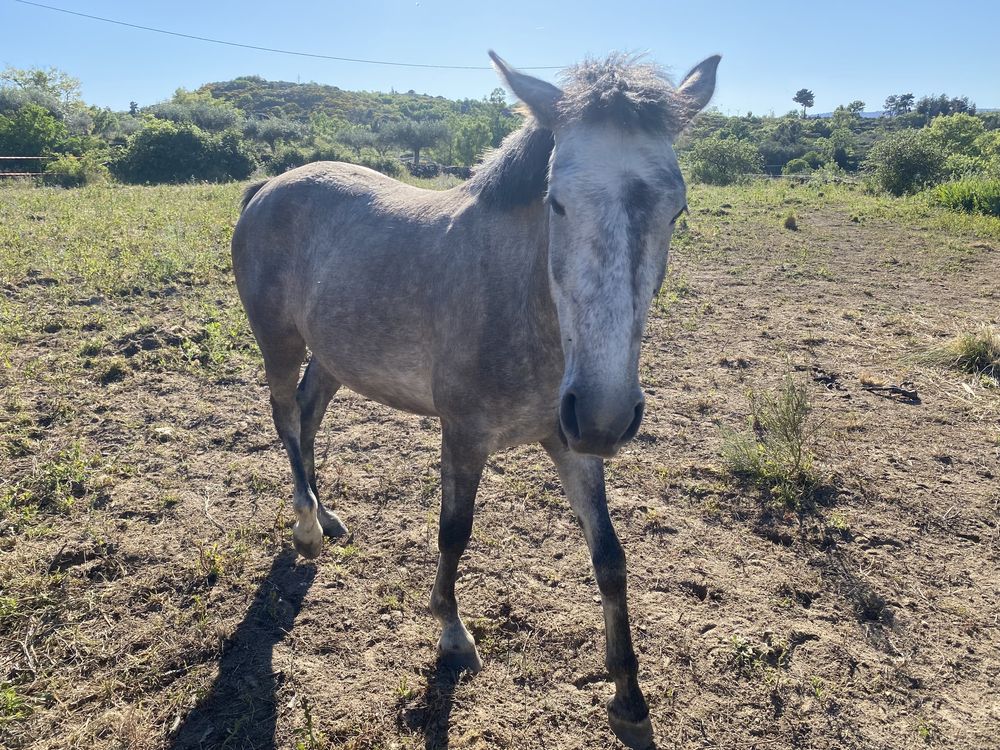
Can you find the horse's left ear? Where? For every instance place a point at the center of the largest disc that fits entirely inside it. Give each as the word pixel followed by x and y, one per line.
pixel 699 85
pixel 539 96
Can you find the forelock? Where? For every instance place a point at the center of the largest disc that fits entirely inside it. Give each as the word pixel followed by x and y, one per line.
pixel 623 90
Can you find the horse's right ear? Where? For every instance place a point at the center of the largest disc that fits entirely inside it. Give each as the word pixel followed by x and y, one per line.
pixel 539 96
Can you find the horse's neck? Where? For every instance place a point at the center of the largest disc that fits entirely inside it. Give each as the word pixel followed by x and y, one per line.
pixel 537 293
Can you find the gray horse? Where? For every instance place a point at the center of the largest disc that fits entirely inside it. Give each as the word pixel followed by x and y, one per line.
pixel 511 308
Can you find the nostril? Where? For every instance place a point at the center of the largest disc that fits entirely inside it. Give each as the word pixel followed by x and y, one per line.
pixel 567 413
pixel 633 428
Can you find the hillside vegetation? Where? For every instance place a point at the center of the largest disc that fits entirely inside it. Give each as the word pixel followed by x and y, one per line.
pixel 234 129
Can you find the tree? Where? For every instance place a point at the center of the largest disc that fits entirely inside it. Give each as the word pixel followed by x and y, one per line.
pixel 957 133
pixel 416 135
pixel 856 107
pixel 805 98
pixel 53 81
pixel 898 104
pixel 472 138
pixel 31 131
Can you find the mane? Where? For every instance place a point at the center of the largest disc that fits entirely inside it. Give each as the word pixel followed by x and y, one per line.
pixel 516 173
pixel 619 89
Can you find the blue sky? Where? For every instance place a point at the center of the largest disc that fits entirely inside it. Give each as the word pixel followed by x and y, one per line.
pixel 841 50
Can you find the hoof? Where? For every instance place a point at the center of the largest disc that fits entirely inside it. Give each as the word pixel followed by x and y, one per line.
pixel 461 661
pixel 309 544
pixel 332 526
pixel 457 650
pixel 637 735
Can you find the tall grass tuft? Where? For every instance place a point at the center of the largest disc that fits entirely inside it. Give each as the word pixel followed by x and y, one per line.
pixel 976 352
pixel 774 454
pixel 973 195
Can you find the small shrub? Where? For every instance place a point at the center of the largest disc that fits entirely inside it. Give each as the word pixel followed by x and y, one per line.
pixel 774 454
pixel 723 161
pixel 791 222
pixel 971 195
pixel 72 171
pixel 906 162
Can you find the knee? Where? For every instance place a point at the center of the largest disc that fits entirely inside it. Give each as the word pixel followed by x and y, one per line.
pixel 453 536
pixel 609 566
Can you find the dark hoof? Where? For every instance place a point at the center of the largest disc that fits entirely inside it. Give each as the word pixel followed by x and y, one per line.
pixel 461 661
pixel 637 735
pixel 332 526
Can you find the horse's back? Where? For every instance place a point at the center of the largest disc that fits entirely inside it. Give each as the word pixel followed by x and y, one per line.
pixel 344 257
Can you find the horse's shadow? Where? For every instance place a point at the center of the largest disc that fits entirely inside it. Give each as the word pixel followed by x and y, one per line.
pixel 240 710
pixel 430 714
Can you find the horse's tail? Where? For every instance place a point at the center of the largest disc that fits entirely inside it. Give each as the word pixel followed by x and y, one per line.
pixel 249 193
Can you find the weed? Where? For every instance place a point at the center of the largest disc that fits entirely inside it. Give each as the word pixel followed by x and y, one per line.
pixel 309 738
pixel 975 352
pixel 774 455
pixel 791 222
pixel 211 562
pixel 403 689
pixel 12 706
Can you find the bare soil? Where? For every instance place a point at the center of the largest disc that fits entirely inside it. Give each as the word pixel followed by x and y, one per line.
pixel 157 603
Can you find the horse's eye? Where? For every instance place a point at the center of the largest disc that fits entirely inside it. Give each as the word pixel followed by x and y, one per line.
pixel 674 220
pixel 557 206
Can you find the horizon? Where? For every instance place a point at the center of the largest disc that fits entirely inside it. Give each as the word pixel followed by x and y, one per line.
pixel 117 64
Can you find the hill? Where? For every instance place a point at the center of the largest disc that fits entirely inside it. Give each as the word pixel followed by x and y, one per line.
pixel 258 97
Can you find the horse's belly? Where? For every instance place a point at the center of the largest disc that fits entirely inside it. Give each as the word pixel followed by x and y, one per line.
pixel 397 379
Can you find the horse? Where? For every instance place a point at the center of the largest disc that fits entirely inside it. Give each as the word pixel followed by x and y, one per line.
pixel 510 307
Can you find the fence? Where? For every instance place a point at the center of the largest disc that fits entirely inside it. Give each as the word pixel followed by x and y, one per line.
pixel 18 166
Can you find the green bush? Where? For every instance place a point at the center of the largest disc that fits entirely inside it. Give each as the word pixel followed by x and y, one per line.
pixel 164 151
pixel 73 171
pixel 796 166
pixel 288 157
pixel 723 161
pixel 383 163
pixel 971 195
pixel 31 131
pixel 905 162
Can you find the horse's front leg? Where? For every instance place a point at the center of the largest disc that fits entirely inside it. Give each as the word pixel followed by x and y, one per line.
pixel 462 460
pixel 583 481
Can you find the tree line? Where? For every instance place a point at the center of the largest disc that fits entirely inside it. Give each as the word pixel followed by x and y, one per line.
pixel 230 130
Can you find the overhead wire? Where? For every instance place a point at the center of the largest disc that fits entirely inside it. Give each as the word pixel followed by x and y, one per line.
pixel 275 50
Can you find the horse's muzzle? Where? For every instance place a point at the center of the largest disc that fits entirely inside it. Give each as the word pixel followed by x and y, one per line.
pixel 597 431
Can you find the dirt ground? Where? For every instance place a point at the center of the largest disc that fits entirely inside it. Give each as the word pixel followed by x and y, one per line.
pixel 149 597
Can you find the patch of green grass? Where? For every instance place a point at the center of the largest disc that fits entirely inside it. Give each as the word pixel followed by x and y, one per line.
pixel 774 454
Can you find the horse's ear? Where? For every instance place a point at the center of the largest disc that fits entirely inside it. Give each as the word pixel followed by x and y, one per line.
pixel 699 85
pixel 539 96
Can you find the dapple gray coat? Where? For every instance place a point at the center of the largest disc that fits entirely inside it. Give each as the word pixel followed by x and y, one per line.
pixel 511 307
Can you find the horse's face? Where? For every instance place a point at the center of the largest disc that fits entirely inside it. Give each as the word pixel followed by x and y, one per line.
pixel 613 198
pixel 614 195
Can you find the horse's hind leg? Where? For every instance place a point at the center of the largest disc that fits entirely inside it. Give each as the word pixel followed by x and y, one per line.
pixel 314 394
pixel 283 352
pixel 462 462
